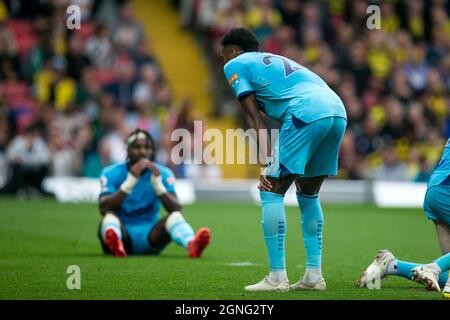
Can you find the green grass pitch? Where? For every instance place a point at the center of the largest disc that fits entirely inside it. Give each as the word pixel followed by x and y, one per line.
pixel 39 239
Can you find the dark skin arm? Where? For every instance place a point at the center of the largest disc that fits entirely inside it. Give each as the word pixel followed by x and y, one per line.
pixel 113 201
pixel 256 122
pixel 169 200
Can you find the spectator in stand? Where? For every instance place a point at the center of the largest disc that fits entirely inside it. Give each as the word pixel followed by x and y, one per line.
pixel 28 160
pixel 127 33
pixel 263 18
pixel 99 48
pixel 123 88
pixel 390 169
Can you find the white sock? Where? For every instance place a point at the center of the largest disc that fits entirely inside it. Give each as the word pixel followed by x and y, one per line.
pixel 448 283
pixel 312 275
pixel 392 267
pixel 110 221
pixel 278 276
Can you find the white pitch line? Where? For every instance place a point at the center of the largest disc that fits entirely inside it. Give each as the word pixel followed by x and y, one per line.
pixel 242 264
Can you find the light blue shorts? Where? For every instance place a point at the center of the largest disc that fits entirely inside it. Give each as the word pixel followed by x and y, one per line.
pixel 437 203
pixel 307 149
pixel 138 234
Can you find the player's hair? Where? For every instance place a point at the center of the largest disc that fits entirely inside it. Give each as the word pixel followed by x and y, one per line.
pixel 138 133
pixel 243 38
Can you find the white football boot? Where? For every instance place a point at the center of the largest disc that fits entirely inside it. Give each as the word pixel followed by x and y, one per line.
pixel 427 276
pixel 268 285
pixel 302 284
pixel 377 270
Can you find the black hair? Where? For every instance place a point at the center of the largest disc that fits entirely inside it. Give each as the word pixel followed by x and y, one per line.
pixel 148 136
pixel 243 38
pixel 35 128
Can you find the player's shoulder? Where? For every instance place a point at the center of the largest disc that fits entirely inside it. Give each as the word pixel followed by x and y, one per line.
pixel 243 59
pixel 165 171
pixel 115 169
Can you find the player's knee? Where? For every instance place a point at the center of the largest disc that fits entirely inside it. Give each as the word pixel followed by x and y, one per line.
pixel 309 188
pixel 270 196
pixel 173 218
pixel 111 218
pixel 280 186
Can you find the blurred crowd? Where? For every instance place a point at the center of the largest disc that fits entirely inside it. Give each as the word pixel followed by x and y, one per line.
pixel 68 98
pixel 394 81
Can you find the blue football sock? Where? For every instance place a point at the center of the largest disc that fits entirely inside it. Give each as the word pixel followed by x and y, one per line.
pixel 443 262
pixel 179 230
pixel 274 228
pixel 404 270
pixel 312 223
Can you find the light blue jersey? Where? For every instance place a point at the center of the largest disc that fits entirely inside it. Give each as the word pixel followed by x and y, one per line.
pixel 282 86
pixel 441 175
pixel 142 205
pixel 437 199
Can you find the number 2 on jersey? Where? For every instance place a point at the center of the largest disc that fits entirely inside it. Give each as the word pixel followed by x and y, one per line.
pixel 288 69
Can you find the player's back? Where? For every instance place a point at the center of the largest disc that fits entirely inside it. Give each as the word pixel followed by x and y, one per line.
pixel 281 85
pixel 441 175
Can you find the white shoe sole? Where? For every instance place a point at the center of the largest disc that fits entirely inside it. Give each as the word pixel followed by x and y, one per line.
pixel 302 287
pixel 275 289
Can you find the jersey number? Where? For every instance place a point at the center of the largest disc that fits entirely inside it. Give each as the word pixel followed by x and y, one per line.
pixel 288 69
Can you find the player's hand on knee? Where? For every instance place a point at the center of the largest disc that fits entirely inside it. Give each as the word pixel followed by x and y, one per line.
pixel 264 184
pixel 137 168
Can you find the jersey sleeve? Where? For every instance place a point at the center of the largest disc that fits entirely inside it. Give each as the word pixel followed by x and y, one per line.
pixel 168 179
pixel 108 182
pixel 238 77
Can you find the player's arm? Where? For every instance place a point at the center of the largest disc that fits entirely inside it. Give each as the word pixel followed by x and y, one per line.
pixel 238 76
pixel 167 197
pixel 111 202
pixel 256 122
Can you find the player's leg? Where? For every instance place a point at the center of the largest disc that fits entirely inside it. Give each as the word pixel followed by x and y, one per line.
pixel 433 275
pixel 443 234
pixel 386 264
pixel 325 137
pixel 113 237
pixel 311 224
pixel 437 209
pixel 175 228
pixel 274 230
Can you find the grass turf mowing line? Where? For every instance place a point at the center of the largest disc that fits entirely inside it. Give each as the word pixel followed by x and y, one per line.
pixel 39 239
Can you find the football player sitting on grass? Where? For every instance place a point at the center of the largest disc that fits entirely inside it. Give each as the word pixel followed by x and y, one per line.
pixel 131 196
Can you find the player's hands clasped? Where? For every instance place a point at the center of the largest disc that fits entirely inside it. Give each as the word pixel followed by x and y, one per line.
pixel 137 168
pixel 154 169
pixel 264 183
